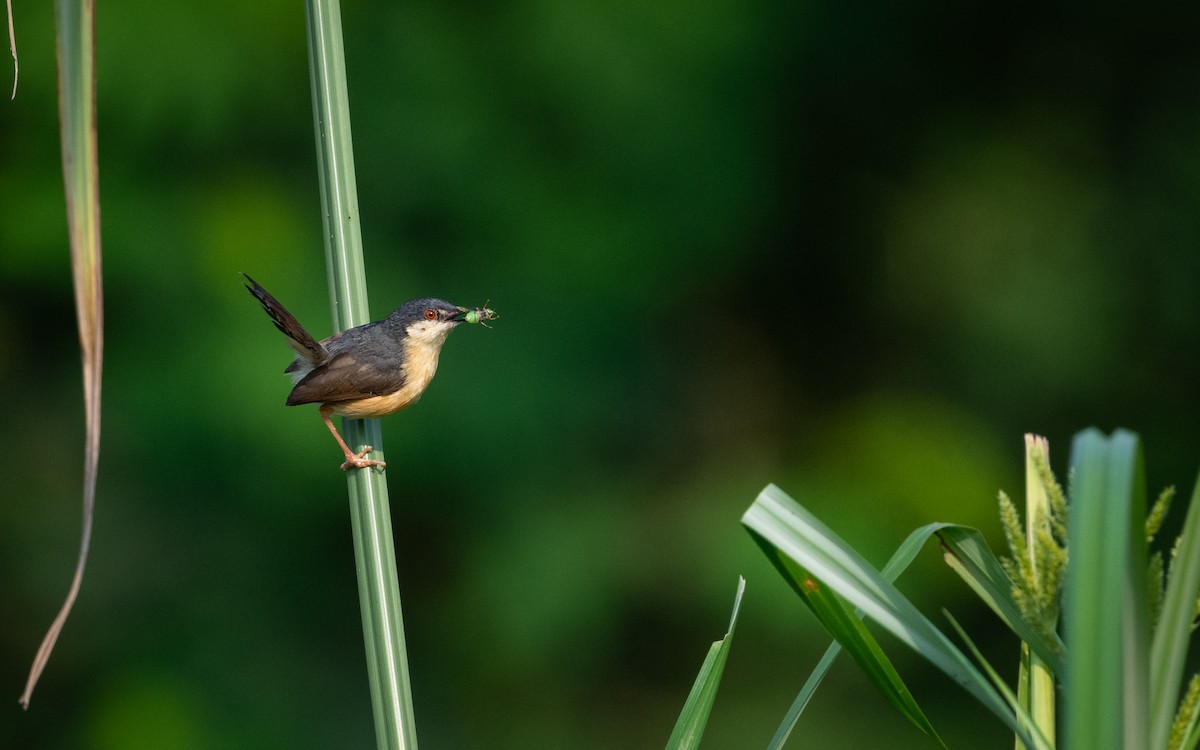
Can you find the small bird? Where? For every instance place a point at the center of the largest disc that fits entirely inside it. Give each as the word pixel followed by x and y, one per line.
pixel 371 370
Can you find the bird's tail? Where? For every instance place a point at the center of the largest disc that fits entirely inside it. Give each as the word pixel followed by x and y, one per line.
pixel 299 339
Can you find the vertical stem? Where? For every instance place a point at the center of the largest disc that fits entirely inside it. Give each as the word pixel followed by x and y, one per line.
pixel 379 593
pixel 1040 682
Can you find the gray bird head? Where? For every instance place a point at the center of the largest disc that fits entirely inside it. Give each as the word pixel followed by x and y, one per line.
pixel 427 320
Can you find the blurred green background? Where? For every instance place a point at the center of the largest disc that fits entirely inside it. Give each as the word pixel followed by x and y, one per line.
pixel 856 250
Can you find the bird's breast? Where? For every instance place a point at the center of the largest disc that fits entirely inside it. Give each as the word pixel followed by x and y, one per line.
pixel 420 362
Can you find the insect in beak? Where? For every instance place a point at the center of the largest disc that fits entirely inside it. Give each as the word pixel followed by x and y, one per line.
pixel 478 315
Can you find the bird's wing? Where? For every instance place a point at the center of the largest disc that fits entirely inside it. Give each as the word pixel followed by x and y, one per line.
pixel 345 377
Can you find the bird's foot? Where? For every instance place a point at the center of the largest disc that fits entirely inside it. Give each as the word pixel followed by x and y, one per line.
pixel 356 460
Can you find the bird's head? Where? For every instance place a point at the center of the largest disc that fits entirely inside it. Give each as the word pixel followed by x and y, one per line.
pixel 427 320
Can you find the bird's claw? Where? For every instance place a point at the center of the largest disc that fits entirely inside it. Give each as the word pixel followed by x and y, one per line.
pixel 356 461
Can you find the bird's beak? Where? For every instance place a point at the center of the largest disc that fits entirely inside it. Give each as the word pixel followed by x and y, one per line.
pixel 460 316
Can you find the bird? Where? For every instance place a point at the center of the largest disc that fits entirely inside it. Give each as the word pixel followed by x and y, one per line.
pixel 370 370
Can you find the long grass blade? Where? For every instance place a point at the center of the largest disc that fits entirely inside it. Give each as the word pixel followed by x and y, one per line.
pixel 375 557
pixel 12 48
pixel 689 728
pixel 1169 647
pixel 804 696
pixel 785 529
pixel 77 112
pixel 1105 611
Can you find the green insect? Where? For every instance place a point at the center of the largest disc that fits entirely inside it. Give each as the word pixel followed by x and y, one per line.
pixel 479 315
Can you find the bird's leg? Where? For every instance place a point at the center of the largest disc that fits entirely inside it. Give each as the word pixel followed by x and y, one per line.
pixel 353 460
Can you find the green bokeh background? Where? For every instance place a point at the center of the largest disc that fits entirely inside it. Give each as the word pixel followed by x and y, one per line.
pixel 853 250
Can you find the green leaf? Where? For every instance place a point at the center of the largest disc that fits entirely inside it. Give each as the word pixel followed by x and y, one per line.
pixel 787 531
pixel 1105 609
pixel 968 554
pixel 690 726
pixel 1169 648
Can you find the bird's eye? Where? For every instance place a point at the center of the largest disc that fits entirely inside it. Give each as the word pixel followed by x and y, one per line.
pixel 430 314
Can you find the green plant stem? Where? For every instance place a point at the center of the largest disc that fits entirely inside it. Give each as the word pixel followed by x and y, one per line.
pixel 1037 508
pixel 375 559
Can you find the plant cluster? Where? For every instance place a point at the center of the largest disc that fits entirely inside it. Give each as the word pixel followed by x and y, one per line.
pixel 1103 621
